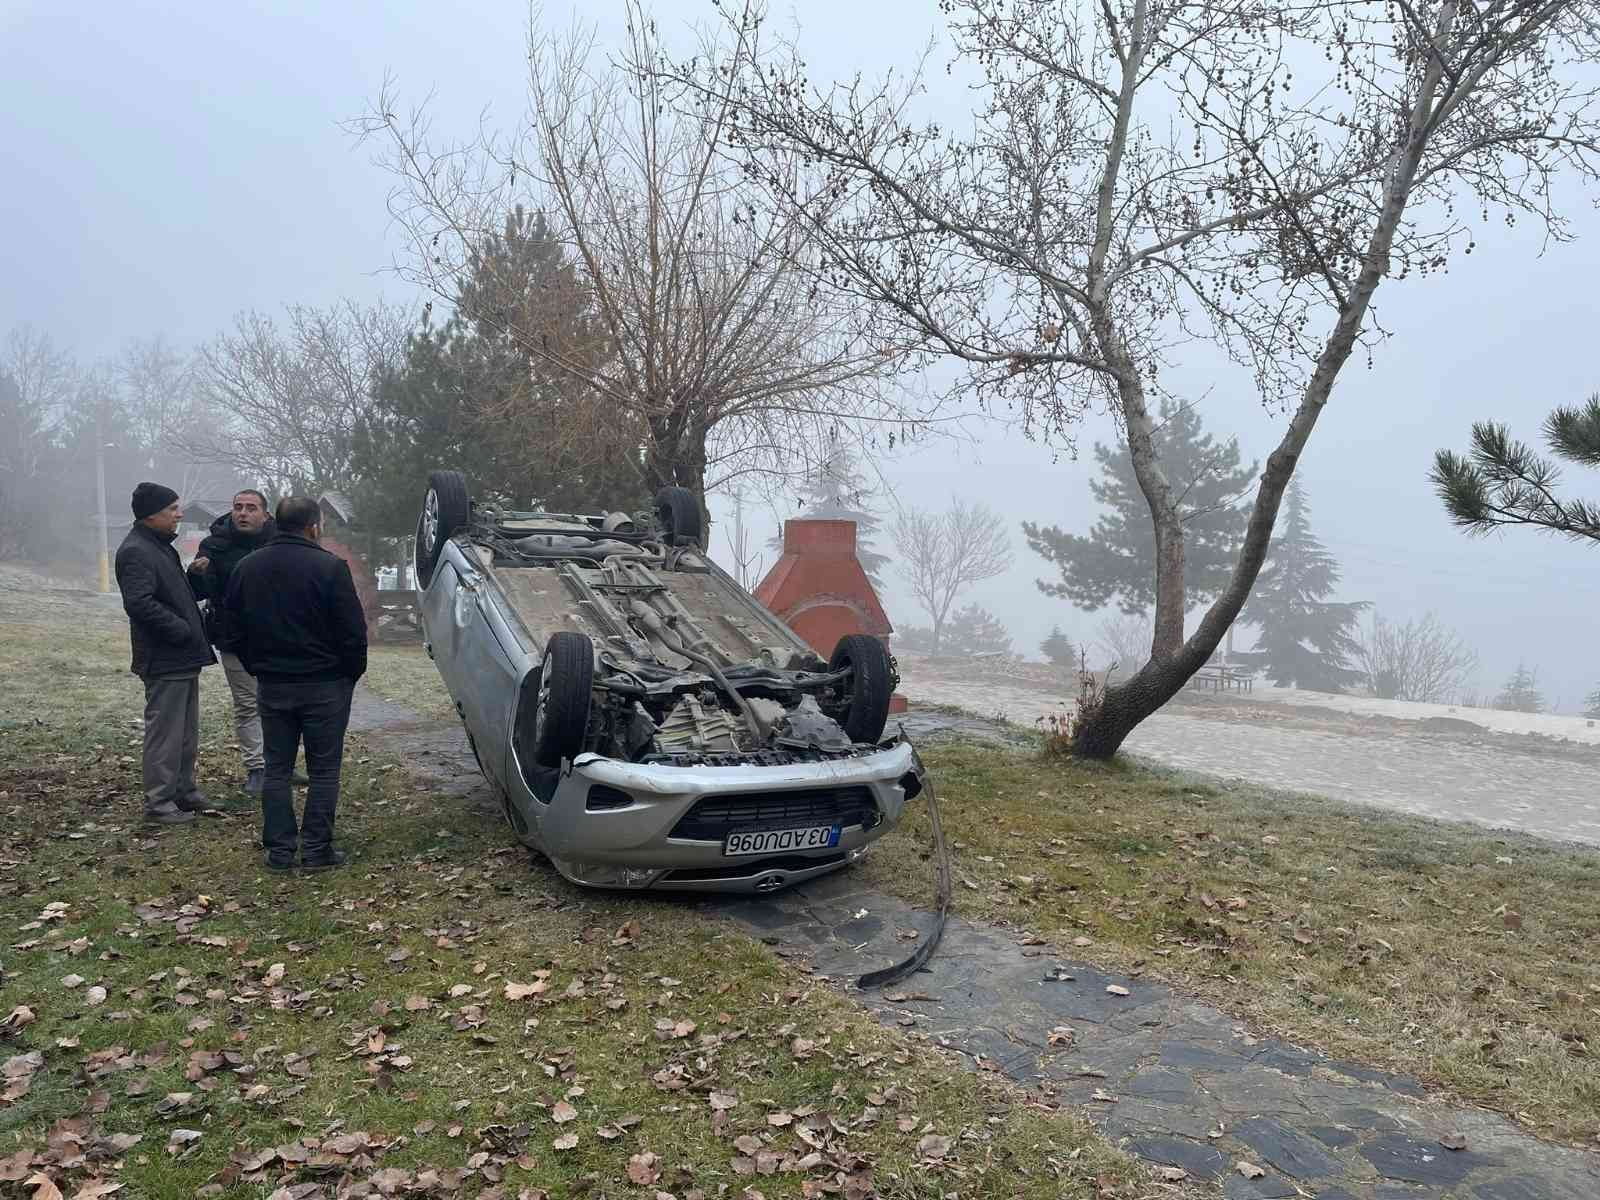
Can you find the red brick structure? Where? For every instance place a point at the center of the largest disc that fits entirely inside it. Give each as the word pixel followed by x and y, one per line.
pixel 821 591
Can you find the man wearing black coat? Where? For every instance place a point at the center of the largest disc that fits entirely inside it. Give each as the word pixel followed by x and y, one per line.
pixel 170 648
pixel 296 623
pixel 233 535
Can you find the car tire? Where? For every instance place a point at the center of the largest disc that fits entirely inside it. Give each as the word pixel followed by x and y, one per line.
pixel 566 683
pixel 446 509
pixel 863 708
pixel 679 514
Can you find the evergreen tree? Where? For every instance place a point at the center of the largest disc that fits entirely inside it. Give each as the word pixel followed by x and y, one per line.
pixel 974 630
pixel 840 492
pixel 1591 704
pixel 1521 693
pixel 1058 648
pixel 469 396
pixel 1118 557
pixel 1503 482
pixel 1306 641
pixel 969 631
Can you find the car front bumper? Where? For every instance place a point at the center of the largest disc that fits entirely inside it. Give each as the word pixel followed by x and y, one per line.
pixel 631 842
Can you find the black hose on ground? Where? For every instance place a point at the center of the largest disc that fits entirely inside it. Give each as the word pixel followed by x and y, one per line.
pixel 924 951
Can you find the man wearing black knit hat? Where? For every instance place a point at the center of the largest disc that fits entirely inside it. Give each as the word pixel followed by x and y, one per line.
pixel 169 649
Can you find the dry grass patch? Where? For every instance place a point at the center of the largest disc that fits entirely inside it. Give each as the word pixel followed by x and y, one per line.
pixel 1459 954
pixel 443 1018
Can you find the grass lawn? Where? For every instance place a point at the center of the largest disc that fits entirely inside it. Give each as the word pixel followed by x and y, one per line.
pixel 442 1018
pixel 1462 955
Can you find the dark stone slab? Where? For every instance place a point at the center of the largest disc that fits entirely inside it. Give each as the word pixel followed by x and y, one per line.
pixel 1515 1187
pixel 1334 1193
pixel 1268 1187
pixel 1402 1191
pixel 1288 1060
pixel 1293 1153
pixel 1201 1059
pixel 1136 1118
pixel 1203 1162
pixel 1386 1079
pixel 1162 1083
pixel 1364 1120
pixel 1254 1093
pixel 1524 1185
pixel 1332 1136
pixel 1399 1157
pixel 762 914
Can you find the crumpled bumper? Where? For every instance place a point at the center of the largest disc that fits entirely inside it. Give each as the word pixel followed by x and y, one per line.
pixel 614 824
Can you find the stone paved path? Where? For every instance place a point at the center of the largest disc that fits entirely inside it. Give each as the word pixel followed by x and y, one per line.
pixel 1177 1082
pixel 1174 1081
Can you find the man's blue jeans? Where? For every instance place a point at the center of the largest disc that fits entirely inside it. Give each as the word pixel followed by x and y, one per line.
pixel 317 715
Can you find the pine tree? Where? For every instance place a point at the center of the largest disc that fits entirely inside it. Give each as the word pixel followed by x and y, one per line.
pixel 1118 557
pixel 1058 648
pixel 1306 641
pixel 840 492
pixel 469 396
pixel 1521 693
pixel 974 630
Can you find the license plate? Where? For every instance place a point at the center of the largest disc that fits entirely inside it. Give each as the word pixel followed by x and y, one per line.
pixel 778 841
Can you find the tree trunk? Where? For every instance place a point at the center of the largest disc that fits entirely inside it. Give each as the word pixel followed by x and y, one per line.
pixel 676 457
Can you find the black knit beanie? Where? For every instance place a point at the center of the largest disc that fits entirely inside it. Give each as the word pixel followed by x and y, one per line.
pixel 151 498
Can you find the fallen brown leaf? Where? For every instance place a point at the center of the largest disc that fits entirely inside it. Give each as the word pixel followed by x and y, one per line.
pixel 644 1169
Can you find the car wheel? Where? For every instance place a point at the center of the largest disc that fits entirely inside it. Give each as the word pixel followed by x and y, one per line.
pixel 862 706
pixel 446 509
pixel 566 682
pixel 679 514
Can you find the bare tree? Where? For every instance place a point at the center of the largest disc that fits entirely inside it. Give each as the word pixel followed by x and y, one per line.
pixel 1141 175
pixel 943 554
pixel 1421 660
pixel 722 348
pixel 747 561
pixel 281 401
pixel 1124 640
pixel 37 385
pixel 42 379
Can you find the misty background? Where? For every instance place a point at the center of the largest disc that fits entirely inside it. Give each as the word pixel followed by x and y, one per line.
pixel 169 168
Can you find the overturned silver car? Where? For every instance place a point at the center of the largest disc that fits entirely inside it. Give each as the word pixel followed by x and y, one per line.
pixel 645 721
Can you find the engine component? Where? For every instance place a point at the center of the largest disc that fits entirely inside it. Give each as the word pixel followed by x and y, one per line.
pixel 692 725
pixel 807 727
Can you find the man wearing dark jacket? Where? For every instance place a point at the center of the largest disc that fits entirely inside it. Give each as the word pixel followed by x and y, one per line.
pixel 296 623
pixel 233 535
pixel 169 649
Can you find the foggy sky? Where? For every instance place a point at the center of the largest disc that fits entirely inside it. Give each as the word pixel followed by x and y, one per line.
pixel 165 169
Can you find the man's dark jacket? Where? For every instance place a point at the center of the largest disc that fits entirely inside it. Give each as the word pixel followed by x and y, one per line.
pixel 169 636
pixel 293 614
pixel 226 547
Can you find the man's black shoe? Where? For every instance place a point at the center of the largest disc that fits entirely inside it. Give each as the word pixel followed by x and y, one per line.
pixel 325 862
pixel 280 865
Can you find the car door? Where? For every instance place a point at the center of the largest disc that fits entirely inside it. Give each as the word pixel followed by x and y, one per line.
pixel 479 662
